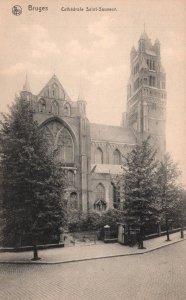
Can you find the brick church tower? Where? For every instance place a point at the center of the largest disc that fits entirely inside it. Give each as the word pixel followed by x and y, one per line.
pixel 146 93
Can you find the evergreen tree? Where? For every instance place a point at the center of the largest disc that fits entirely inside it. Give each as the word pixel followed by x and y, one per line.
pixel 33 183
pixel 140 188
pixel 169 191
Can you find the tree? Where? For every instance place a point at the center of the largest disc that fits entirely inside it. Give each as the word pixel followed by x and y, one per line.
pixel 140 187
pixel 169 191
pixel 33 183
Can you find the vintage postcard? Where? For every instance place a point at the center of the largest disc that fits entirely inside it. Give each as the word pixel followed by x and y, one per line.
pixel 100 77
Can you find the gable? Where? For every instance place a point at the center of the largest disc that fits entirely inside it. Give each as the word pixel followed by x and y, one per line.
pixel 54 89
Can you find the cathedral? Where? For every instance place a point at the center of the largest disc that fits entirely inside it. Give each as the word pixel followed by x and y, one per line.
pixel 92 153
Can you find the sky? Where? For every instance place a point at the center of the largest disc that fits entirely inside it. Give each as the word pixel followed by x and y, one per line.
pixel 91 49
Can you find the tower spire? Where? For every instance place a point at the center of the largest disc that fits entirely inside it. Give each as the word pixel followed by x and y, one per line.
pixel 81 95
pixel 26 86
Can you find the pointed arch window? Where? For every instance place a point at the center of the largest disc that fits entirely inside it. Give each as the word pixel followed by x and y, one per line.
pixel 116 157
pixel 67 109
pixel 73 201
pixel 60 144
pixel 152 81
pixel 42 105
pixel 65 147
pixel 116 195
pixel 100 203
pixel 99 156
pixel 70 177
pixel 55 91
pixel 55 108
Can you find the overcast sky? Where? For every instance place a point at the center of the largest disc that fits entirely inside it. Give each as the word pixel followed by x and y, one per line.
pixel 94 47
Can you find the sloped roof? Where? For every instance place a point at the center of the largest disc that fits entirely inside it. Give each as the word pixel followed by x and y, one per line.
pixel 110 133
pixel 106 169
pixel 150 52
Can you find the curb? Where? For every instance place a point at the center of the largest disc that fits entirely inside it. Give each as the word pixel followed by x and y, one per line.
pixel 88 259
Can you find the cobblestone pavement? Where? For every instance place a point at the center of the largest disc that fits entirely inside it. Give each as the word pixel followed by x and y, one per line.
pixel 157 275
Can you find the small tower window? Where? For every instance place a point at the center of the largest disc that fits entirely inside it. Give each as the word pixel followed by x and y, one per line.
pixel 152 81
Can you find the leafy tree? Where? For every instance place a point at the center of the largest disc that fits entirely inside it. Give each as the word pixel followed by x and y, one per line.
pixel 140 188
pixel 33 183
pixel 169 191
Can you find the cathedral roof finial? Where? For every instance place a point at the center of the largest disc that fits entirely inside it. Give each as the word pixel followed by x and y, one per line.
pixel 81 95
pixel 144 35
pixel 26 86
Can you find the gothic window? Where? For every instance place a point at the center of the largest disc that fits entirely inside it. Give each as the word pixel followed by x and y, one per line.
pixel 60 143
pixel 152 81
pixel 55 108
pixel 100 203
pixel 55 91
pixel 116 196
pixel 42 105
pixel 145 80
pixel 99 156
pixel 73 205
pixel 116 157
pixel 67 109
pixel 150 64
pixel 70 177
pixel 65 149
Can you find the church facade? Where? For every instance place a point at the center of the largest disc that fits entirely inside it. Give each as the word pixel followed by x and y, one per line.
pixel 92 153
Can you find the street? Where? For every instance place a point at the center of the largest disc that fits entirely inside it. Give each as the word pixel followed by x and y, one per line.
pixel 157 275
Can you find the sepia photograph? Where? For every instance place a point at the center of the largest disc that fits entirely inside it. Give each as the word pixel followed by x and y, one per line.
pixel 92 149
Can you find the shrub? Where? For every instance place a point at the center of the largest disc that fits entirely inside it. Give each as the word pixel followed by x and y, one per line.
pixel 81 221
